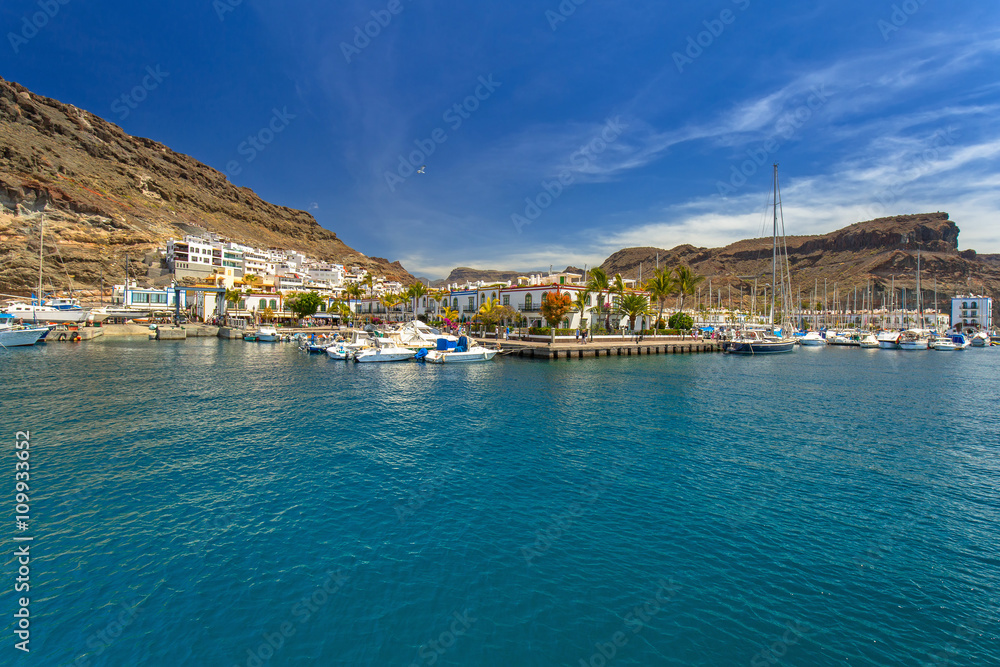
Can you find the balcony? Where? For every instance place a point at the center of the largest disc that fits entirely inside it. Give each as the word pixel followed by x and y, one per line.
pixel 530 307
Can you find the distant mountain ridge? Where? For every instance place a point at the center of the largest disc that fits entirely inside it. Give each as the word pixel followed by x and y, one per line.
pixel 107 193
pixel 880 251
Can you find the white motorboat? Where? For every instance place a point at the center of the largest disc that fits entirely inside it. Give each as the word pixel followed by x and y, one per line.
pixel 951 343
pixel 462 353
pixel 812 339
pixel 849 338
pixel 418 334
pixel 914 339
pixel 981 339
pixel 340 352
pixel 888 340
pixel 869 342
pixel 267 334
pixel 384 350
pixel 14 336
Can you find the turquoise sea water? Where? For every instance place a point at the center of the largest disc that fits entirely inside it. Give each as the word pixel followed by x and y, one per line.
pixel 221 503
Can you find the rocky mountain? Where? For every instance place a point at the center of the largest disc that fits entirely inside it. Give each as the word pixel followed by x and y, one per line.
pixel 880 251
pixel 106 194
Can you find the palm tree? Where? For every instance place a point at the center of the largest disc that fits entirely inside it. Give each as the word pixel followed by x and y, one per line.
pixel 598 283
pixel 581 303
pixel 369 282
pixel 415 291
pixel 687 282
pixel 633 305
pixel 618 289
pixel 660 286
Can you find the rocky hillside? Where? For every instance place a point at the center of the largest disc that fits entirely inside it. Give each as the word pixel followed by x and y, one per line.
pixel 877 250
pixel 106 194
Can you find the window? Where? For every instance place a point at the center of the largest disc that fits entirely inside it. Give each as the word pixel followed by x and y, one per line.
pixel 472 303
pixel 562 280
pixel 527 302
pixel 322 308
pixel 456 303
pixel 274 304
pixel 243 304
pixel 140 298
pixel 506 299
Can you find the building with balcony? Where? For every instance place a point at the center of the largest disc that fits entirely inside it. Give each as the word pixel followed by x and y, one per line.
pixel 972 313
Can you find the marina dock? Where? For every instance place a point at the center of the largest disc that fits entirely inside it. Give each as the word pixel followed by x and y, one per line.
pixel 604 348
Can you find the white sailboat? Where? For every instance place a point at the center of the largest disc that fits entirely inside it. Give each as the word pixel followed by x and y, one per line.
pixel 59 310
pixel 771 340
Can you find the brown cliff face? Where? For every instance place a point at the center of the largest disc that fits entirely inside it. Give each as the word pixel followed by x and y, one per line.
pixel 106 193
pixel 879 251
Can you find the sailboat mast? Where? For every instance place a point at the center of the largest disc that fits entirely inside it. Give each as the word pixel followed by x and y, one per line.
pixel 41 237
pixel 774 253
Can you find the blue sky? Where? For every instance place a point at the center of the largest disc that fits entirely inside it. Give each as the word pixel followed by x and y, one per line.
pixel 582 127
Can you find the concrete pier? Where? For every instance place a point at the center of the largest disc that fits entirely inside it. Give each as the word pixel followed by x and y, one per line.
pixel 532 350
pixel 170 333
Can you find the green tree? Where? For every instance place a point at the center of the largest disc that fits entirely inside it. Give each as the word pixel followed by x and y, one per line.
pixel 599 284
pixel 415 292
pixel 580 304
pixel 555 305
pixel 634 305
pixel 681 321
pixel 687 282
pixel 303 304
pixel 661 286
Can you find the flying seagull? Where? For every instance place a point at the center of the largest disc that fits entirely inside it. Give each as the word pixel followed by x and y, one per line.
pixel 422 170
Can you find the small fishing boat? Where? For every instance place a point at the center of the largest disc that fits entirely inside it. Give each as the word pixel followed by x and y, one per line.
pixel 267 334
pixel 981 339
pixel 340 353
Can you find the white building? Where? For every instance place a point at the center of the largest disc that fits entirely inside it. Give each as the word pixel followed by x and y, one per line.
pixel 972 313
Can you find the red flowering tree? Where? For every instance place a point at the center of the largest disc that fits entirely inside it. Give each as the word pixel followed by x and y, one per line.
pixel 555 305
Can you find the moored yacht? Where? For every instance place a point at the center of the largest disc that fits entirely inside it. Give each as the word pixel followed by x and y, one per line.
pixel 914 339
pixel 16 336
pixel 460 352
pixel 888 340
pixel 812 339
pixel 868 341
pixel 384 350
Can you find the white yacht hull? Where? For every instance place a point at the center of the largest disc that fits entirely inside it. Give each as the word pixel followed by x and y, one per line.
pixel 474 355
pixel 383 355
pixel 914 345
pixel 21 337
pixel 27 313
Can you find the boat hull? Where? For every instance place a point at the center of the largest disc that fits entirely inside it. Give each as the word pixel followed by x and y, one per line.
pixel 759 347
pixel 472 356
pixel 376 356
pixel 913 345
pixel 33 314
pixel 21 337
